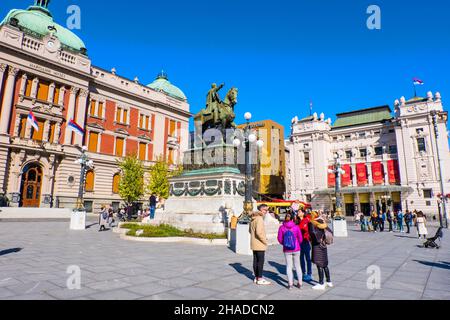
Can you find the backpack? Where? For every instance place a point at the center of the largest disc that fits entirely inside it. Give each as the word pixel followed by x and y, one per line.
pixel 289 241
pixel 105 215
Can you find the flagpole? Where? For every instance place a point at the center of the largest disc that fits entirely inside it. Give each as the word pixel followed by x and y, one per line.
pixel 415 90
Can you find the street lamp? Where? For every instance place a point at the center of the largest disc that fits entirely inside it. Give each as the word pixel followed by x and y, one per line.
pixel 249 138
pixel 86 164
pixel 338 171
pixel 434 115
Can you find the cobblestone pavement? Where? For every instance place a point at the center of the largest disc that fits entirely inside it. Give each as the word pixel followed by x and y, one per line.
pixel 34 258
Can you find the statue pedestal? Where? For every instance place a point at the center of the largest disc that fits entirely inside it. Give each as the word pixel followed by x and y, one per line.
pixel 199 199
pixel 340 228
pixel 78 220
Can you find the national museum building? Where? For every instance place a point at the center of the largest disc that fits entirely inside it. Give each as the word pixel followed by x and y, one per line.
pixel 391 160
pixel 46 74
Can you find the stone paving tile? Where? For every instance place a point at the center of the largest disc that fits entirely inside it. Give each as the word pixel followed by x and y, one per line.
pixel 195 293
pixel 6 282
pixel 32 297
pixel 32 288
pixel 397 294
pixel 108 285
pixel 5 293
pixel 220 285
pixel 436 294
pixel 149 289
pixel 66 294
pixel 164 296
pixel 115 295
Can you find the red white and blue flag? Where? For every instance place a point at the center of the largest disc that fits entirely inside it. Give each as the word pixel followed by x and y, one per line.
pixel 76 128
pixel 418 82
pixel 32 121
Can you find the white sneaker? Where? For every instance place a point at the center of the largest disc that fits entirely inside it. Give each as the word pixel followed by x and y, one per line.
pixel 330 285
pixel 255 281
pixel 319 287
pixel 263 282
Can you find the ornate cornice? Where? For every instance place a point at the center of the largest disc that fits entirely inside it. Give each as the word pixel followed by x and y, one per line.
pixel 12 72
pixel 3 67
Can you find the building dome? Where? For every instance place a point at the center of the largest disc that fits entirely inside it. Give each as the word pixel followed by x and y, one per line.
pixel 162 83
pixel 37 21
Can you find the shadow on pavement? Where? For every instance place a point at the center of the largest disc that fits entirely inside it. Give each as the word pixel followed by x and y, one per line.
pixel 267 274
pixel 443 265
pixel 409 237
pixel 10 251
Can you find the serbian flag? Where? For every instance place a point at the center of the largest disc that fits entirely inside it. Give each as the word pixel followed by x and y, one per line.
pixel 76 128
pixel 32 121
pixel 418 82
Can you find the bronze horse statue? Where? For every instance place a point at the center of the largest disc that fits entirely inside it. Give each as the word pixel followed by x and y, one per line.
pixel 204 120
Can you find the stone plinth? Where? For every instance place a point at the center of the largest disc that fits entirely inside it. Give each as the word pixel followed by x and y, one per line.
pixel 340 228
pixel 199 199
pixel 78 220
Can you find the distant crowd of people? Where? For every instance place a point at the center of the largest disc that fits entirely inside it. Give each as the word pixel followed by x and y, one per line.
pixel 396 222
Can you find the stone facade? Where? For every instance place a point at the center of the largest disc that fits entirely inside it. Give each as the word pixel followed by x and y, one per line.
pixel 391 159
pixel 119 116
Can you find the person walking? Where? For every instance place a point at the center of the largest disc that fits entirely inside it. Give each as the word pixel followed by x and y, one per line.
pixel 305 254
pixel 389 219
pixel 421 223
pixel 259 243
pixel 357 219
pixel 103 219
pixel 374 220
pixel 317 231
pixel 363 222
pixel 408 221
pixel 395 221
pixel 400 221
pixel 153 202
pixel 290 237
pixel 382 221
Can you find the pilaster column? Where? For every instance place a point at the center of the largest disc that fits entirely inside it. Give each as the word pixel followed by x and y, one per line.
pixel 369 171
pixel 51 93
pixel 34 88
pixel 27 130
pixel 57 133
pixel 95 107
pixel 386 173
pixel 355 176
pixel 23 84
pixel 46 131
pixel 17 126
pixel 70 114
pixel 81 114
pixel 3 68
pixel 62 92
pixel 8 100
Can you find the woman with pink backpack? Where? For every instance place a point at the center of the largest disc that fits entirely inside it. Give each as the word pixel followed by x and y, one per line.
pixel 290 237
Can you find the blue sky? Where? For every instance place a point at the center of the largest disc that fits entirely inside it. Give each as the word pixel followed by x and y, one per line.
pixel 279 54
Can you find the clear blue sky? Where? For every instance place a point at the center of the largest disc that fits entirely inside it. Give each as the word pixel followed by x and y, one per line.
pixel 280 54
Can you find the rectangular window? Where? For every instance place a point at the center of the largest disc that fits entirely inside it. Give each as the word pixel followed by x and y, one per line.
pixel 118 115
pixel 348 154
pixel 141 121
pixel 125 117
pixel 88 205
pixel 38 135
pixel 392 149
pixel 52 133
pixel 363 153
pixel 93 142
pixel 421 145
pixel 92 108
pixel 142 151
pixel 419 130
pixel 307 159
pixel 43 91
pixel 172 128
pixel 362 134
pixel 119 147
pixel 23 126
pixel 56 95
pixel 379 151
pixel 100 110
pixel 428 193
pixel 171 159
pixel 348 137
pixel 308 198
pixel 28 88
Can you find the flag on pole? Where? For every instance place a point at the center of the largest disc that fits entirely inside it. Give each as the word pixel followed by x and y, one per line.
pixel 75 128
pixel 32 121
pixel 418 82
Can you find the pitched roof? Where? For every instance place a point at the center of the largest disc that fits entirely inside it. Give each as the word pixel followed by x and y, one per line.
pixel 364 116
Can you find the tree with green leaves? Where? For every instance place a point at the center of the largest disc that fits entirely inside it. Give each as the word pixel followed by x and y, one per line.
pixel 131 186
pixel 160 174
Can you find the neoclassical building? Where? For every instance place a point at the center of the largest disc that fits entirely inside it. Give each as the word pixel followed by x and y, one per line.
pixel 391 160
pixel 45 68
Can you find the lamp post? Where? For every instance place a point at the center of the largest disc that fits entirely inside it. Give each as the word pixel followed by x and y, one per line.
pixel 434 115
pixel 249 138
pixel 338 171
pixel 86 164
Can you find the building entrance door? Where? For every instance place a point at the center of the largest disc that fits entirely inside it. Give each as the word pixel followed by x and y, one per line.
pixel 31 186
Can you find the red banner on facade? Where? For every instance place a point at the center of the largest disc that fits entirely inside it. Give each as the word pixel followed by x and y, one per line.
pixel 331 178
pixel 346 178
pixel 361 172
pixel 377 173
pixel 394 172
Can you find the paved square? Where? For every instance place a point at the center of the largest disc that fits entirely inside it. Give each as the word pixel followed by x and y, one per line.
pixel 34 258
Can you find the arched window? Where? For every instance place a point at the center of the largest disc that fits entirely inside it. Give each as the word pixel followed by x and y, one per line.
pixel 90 178
pixel 116 182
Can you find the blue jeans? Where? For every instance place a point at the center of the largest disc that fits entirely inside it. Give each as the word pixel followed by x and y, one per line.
pixel 152 212
pixel 305 258
pixel 400 226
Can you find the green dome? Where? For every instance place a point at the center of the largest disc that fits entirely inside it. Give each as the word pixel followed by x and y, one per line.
pixel 162 83
pixel 36 21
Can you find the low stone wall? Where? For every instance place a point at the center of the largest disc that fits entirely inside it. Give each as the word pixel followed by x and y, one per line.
pixel 34 213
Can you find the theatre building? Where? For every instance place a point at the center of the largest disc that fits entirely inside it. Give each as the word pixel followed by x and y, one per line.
pixel 392 160
pixel 45 69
